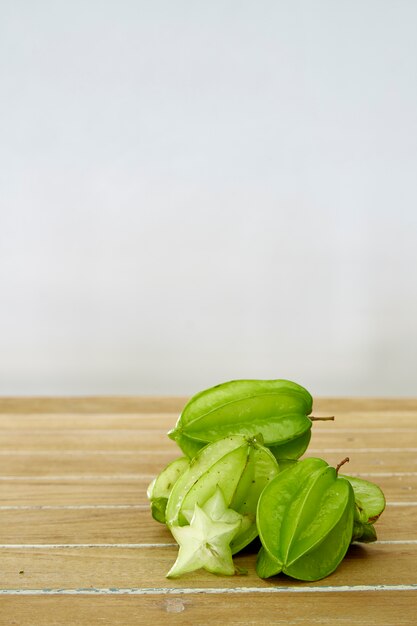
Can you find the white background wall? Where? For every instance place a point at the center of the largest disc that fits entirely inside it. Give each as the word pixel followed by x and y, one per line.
pixel 198 191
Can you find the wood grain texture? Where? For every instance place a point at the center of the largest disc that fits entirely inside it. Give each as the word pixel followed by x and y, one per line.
pixel 136 526
pixel 74 471
pixel 134 439
pixel 150 462
pixel 353 609
pixel 121 490
pixel 132 567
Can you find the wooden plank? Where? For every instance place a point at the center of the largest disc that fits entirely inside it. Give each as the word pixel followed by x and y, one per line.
pixel 137 526
pixel 138 567
pixel 92 404
pixel 33 492
pixel 368 419
pixel 370 438
pixel 61 464
pixel 157 439
pixel 57 422
pixel 303 609
pixel 151 462
pixel 86 440
pixel 61 491
pixel 372 461
pixel 156 404
pixel 165 420
pixel 82 452
pixel 378 405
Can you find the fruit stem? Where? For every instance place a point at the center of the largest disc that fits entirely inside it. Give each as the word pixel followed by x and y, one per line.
pixel 321 419
pixel 339 465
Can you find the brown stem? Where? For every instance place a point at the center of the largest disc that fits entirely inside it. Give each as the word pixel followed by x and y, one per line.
pixel 339 465
pixel 321 419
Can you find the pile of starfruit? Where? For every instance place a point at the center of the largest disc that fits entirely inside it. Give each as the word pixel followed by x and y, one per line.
pixel 239 477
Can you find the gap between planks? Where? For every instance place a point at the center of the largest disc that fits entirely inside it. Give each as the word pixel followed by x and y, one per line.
pixel 146 546
pixel 208 590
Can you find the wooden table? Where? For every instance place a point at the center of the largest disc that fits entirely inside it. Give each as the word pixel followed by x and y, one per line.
pixel 78 544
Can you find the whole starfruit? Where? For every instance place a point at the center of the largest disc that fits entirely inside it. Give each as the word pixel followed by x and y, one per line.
pixel 277 409
pixel 159 489
pixel 305 521
pixel 369 504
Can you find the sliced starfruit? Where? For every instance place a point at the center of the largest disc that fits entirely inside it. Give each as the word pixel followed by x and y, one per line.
pixel 205 542
pixel 277 409
pixel 305 521
pixel 241 467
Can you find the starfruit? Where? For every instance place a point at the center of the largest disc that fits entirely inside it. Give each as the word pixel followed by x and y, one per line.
pixel 369 504
pixel 161 486
pixel 277 409
pixel 305 521
pixel 241 467
pixel 205 542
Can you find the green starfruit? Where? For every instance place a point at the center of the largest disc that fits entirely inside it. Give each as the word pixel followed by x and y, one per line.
pixel 277 409
pixel 205 542
pixel 369 504
pixel 161 486
pixel 305 521
pixel 241 467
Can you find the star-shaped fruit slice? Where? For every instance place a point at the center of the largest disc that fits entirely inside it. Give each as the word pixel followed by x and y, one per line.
pixel 205 542
pixel 217 509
